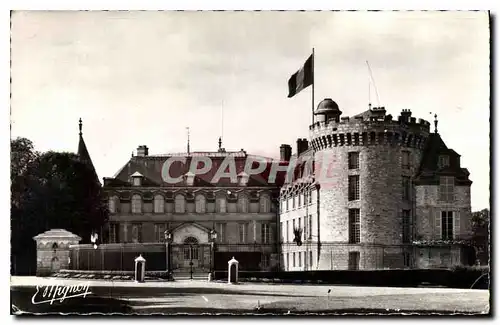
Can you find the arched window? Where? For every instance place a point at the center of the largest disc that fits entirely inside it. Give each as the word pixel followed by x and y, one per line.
pixel 243 204
pixel 159 203
pixel 136 203
pixel 113 202
pixel 265 204
pixel 200 203
pixel 221 204
pixel 180 204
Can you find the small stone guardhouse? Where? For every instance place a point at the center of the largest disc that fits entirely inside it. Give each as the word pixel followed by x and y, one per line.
pixel 52 250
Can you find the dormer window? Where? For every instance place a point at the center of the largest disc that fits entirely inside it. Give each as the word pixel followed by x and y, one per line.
pixel 189 178
pixel 243 178
pixel 444 161
pixel 136 179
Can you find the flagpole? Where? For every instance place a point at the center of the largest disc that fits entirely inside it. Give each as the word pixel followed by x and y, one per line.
pixel 313 85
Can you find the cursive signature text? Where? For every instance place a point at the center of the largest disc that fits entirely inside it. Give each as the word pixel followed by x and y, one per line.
pixel 51 293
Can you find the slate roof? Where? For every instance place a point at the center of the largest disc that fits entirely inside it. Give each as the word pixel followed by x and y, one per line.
pixel 151 169
pixel 84 156
pixel 429 170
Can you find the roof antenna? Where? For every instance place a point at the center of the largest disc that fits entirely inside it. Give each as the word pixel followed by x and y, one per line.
pixel 80 126
pixel 221 126
pixel 188 150
pixel 369 89
pixel 374 84
pixel 435 123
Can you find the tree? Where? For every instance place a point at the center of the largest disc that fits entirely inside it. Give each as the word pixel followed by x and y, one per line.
pixel 22 157
pixel 54 190
pixel 481 234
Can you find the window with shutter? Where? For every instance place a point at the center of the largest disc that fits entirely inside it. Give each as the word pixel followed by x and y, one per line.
pixel 456 224
pixel 437 224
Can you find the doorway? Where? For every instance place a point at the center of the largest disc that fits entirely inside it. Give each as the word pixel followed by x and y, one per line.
pixel 191 252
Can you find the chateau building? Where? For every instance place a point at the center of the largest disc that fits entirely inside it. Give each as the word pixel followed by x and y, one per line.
pixel 208 202
pixel 370 192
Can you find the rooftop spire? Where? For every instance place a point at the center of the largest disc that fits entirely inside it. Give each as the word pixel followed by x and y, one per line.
pixel 80 126
pixel 435 123
pixel 220 143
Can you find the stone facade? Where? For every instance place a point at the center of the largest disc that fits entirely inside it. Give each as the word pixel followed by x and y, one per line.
pixel 53 250
pixel 243 214
pixel 395 202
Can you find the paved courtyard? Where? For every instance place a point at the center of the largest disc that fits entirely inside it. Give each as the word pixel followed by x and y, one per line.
pixel 211 297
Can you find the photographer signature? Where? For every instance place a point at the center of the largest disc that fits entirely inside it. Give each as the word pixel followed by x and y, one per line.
pixel 51 293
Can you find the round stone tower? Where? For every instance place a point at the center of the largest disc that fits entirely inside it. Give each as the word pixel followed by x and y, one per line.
pixel 364 166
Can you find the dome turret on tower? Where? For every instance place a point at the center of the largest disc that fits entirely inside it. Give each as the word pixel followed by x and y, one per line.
pixel 327 109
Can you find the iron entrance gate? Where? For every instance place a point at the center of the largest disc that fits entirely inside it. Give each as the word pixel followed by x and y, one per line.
pixel 191 258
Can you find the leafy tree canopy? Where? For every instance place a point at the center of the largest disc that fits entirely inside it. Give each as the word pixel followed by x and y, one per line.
pixel 52 190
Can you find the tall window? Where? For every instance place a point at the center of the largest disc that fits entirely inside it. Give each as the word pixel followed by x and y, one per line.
pixel 354 231
pixel 305 228
pixel 353 160
pixel 311 259
pixel 287 230
pixel 293 259
pixel 300 259
pixel 159 203
pixel 282 231
pixel 300 225
pixel 447 225
pixel 159 232
pixel 310 196
pixel 300 199
pixel 137 233
pixel 353 187
pixel 444 161
pixel 114 233
pixel 221 232
pixel 406 226
pixel 264 262
pixel 287 261
pixel 266 233
pixel 293 202
pixel 243 204
pixel 113 201
pixel 446 188
pixel 180 203
pixel 406 188
pixel 406 259
pixel 265 204
pixel 136 203
pixel 405 159
pixel 200 203
pixel 353 263
pixel 221 205
pixel 310 226
pixel 243 232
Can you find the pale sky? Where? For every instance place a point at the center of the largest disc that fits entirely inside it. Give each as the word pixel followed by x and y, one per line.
pixel 142 77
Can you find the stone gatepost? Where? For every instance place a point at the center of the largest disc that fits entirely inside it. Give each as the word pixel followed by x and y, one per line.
pixel 52 250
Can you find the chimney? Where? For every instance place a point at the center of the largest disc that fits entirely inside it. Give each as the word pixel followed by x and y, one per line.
pixel 405 115
pixel 305 144
pixel 142 151
pixel 302 146
pixel 285 152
